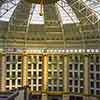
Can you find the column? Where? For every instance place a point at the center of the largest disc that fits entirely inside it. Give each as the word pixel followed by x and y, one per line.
pixel 3 72
pixel 0 70
pixel 65 95
pixel 86 76
pixel 24 69
pixel 45 77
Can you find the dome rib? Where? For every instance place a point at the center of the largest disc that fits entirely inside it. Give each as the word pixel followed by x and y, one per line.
pixel 84 13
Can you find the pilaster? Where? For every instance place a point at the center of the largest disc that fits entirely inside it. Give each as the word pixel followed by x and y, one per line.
pixel 65 96
pixel 86 75
pixel 3 72
pixel 24 69
pixel 45 73
pixel 45 77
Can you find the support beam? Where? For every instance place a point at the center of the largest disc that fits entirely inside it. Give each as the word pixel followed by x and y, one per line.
pixel 86 76
pixel 66 73
pixel 65 96
pixel 45 74
pixel 45 77
pixel 24 69
pixel 3 73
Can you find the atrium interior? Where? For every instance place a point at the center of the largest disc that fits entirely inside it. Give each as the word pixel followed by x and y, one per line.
pixel 52 47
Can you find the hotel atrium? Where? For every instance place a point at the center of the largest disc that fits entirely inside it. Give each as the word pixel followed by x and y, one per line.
pixel 52 47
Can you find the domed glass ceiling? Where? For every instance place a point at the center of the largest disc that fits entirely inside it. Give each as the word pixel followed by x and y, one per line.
pixel 66 12
pixel 7 9
pixel 36 18
pixel 94 5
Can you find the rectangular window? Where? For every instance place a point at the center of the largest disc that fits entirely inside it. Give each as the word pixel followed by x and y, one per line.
pixel 76 59
pixel 29 81
pixel 70 74
pixel 7 82
pixel 55 88
pixel 13 82
pixel 34 81
pixel 29 58
pixel 76 66
pixel 81 67
pixel 60 57
pixel 76 82
pixel 19 82
pixel 29 66
pixel 92 84
pixel 50 58
pixel 19 66
pixel 34 58
pixel 19 58
pixel 29 74
pixel 61 82
pixel 81 74
pixel 8 58
pixel 76 90
pixel 97 59
pixel 8 66
pixel 40 88
pixel 49 66
pixel 19 74
pixel 98 85
pixel 98 76
pixel 81 83
pixel 13 66
pixel 76 74
pixel 55 81
pixel 40 74
pixel 49 74
pixel 60 88
pixel 55 74
pixel 50 81
pixel 81 90
pixel 13 74
pixel 92 67
pixel 55 66
pixel 34 88
pixel 34 66
pixel 92 91
pixel 14 58
pixel 49 88
pixel 34 74
pixel 8 74
pixel 92 76
pixel 40 81
pixel 70 82
pixel 70 89
pixel 98 92
pixel 55 58
pixel 97 67
pixel 70 66
pixel 40 66
pixel 40 58
pixel 60 74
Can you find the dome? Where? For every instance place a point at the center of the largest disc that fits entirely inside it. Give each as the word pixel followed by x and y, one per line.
pixel 53 24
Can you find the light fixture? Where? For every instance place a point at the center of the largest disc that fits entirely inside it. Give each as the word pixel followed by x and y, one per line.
pixel 42 3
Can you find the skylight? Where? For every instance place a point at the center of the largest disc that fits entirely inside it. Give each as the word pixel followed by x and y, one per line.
pixel 66 12
pixel 36 18
pixel 7 9
pixel 95 6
